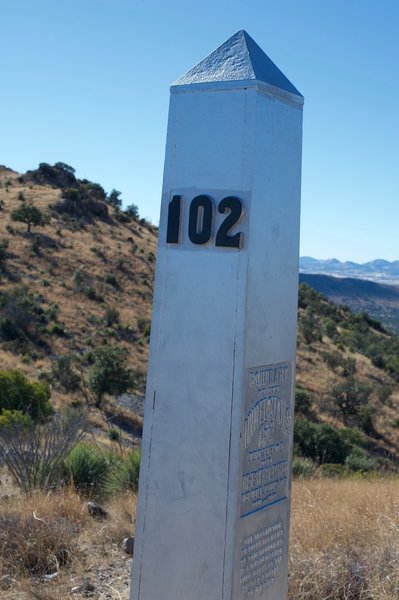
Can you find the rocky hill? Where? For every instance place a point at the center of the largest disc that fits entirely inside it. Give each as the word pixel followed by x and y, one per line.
pixel 379 299
pixel 77 275
pixel 76 280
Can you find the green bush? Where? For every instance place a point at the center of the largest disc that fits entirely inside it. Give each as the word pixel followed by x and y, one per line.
pixel 330 328
pixel 56 329
pixel 365 419
pixel 111 316
pixel 303 467
pixel 357 460
pixel 20 312
pixel 309 327
pixel 303 401
pixel 18 393
pixel 88 469
pixel 330 446
pixel 125 474
pixel 64 375
pixel 144 326
pixel 111 279
pixel 322 442
pixel 110 373
pixel 14 418
pixel 114 434
pixel 133 211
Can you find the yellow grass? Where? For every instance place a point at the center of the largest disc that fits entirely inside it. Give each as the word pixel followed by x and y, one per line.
pixel 56 534
pixel 345 540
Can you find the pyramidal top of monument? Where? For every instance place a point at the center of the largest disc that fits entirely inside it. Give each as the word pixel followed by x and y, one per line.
pixel 238 59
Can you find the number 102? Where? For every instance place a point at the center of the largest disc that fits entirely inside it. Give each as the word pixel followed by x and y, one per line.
pixel 200 221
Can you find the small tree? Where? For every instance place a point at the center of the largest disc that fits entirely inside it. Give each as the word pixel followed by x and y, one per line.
pixel 114 200
pixel 110 373
pixel 31 215
pixel 349 397
pixel 133 211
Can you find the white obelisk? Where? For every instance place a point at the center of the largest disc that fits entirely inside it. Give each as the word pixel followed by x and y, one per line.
pixel 214 494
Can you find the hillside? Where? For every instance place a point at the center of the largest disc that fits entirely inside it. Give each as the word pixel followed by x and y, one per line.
pixel 83 280
pixel 378 299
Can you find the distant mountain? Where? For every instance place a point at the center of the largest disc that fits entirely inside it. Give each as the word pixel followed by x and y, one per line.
pixel 379 270
pixel 379 300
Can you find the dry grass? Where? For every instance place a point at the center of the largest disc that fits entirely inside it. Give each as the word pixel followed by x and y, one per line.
pixel 345 540
pixel 47 533
pixel 344 543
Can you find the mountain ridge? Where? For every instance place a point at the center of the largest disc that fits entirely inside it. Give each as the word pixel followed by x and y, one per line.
pixel 379 269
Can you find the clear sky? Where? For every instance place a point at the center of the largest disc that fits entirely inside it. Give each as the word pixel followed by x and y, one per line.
pixel 87 82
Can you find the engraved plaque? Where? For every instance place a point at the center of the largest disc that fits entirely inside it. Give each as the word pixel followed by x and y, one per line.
pixel 264 502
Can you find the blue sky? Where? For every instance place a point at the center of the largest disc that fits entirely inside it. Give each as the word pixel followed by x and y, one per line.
pixel 87 83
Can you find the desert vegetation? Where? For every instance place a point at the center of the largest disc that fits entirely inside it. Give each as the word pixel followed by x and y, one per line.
pixel 76 279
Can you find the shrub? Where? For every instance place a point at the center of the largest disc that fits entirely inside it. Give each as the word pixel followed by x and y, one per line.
pixel 114 199
pixel 88 468
pixel 63 373
pixel 56 329
pixel 14 418
pixel 303 467
pixel 365 419
pixel 303 401
pixel 110 373
pixel 111 279
pixel 78 278
pixel 333 360
pixel 357 460
pixel 322 442
pixel 133 211
pixel 330 328
pixel 92 294
pixel 18 393
pixel 125 475
pixel 330 446
pixel 384 393
pixel 304 433
pixel 19 312
pixel 131 469
pixel 309 327
pixel 114 434
pixel 111 316
pixel 144 326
